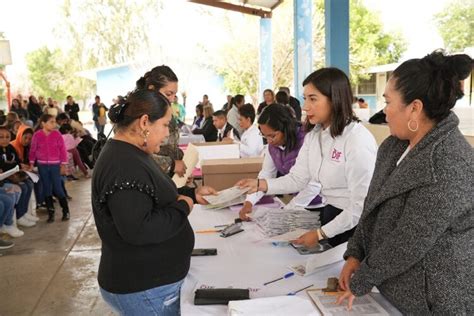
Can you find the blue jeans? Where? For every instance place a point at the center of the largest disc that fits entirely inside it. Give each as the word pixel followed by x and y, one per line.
pixel 7 203
pixel 26 190
pixel 39 192
pixel 51 180
pixel 162 300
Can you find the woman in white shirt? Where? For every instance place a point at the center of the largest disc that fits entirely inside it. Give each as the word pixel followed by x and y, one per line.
pixel 251 143
pixel 338 154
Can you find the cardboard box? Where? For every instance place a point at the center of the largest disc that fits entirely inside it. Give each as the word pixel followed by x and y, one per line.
pixel 225 173
pixel 217 150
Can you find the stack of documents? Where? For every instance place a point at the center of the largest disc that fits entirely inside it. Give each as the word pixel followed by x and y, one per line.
pixel 273 222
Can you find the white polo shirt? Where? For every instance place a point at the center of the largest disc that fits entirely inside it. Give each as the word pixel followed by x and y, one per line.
pixel 343 166
pixel 251 143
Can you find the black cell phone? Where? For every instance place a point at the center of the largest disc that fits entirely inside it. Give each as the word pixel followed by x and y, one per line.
pixel 204 252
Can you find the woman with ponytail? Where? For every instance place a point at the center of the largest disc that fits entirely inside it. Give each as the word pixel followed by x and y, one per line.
pixel 414 241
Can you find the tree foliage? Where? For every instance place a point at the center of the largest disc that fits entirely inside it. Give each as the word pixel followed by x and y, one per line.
pixel 369 45
pixel 456 25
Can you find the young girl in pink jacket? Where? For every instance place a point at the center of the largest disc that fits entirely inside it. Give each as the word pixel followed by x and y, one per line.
pixel 49 153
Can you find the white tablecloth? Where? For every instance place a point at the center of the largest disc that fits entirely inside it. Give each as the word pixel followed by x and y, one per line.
pixel 246 260
pixel 185 139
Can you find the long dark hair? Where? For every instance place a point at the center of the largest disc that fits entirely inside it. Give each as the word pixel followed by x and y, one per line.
pixel 279 118
pixel 435 80
pixel 334 84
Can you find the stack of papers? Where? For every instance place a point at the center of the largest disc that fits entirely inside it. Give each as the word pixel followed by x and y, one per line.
pixel 226 198
pixel 273 222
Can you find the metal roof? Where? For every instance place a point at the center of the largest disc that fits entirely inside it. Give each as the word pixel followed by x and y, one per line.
pixel 262 8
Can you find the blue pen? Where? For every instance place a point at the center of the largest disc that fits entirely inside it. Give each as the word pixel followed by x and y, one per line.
pixel 294 293
pixel 286 276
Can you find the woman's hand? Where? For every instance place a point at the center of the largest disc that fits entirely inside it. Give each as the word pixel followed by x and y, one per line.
pixel 25 167
pixel 254 185
pixel 352 265
pixel 350 299
pixel 309 239
pixel 179 168
pixel 188 200
pixel 247 208
pixel 204 190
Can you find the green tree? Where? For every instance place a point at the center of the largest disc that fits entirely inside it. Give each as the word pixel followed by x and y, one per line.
pixel 238 59
pixel 46 72
pixel 456 25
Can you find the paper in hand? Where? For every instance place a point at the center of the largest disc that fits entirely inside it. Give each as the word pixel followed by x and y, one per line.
pixel 190 159
pixel 226 198
pixel 8 173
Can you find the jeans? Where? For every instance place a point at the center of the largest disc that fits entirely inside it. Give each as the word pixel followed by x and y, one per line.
pixel 7 203
pixel 39 195
pixel 162 300
pixel 100 128
pixel 26 190
pixel 51 179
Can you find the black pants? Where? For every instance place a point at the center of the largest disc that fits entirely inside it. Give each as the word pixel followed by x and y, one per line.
pixel 327 214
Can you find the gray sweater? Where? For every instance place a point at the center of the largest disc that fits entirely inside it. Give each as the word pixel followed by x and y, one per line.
pixel 415 238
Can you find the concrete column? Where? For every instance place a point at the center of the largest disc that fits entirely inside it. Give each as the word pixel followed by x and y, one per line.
pixel 337 34
pixel 266 63
pixel 303 44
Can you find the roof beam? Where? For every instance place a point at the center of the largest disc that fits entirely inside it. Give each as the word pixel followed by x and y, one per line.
pixel 234 7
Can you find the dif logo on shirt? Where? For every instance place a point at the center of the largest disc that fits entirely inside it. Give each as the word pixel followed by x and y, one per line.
pixel 336 155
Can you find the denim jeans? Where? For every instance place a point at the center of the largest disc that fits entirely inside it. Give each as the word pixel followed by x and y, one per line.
pixel 7 203
pixel 26 190
pixel 162 300
pixel 51 180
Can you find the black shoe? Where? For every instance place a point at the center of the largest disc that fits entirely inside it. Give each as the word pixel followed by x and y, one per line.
pixel 50 217
pixel 65 207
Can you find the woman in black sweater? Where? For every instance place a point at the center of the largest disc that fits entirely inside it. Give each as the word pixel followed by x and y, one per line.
pixel 208 130
pixel 141 218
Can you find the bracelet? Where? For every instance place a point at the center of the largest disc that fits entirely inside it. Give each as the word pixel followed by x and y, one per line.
pixel 258 183
pixel 323 234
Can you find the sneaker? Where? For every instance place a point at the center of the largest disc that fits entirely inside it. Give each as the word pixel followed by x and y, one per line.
pixel 25 222
pixel 41 207
pixel 31 217
pixel 11 230
pixel 6 244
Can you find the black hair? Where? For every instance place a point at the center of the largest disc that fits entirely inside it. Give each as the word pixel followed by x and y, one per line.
pixel 43 119
pixel 69 96
pixel 156 78
pixel 65 128
pixel 62 116
pixel 238 99
pixel 433 79
pixel 248 111
pixel 4 128
pixel 135 105
pixel 334 84
pixel 28 131
pixel 361 100
pixel 279 118
pixel 219 113
pixel 282 97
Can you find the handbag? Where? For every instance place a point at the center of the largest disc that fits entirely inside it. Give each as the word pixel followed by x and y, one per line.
pixel 101 141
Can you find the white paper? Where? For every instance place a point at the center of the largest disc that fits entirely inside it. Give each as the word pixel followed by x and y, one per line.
pixel 33 176
pixel 275 306
pixel 277 221
pixel 226 198
pixel 8 173
pixel 364 305
pixel 190 159
pixel 318 260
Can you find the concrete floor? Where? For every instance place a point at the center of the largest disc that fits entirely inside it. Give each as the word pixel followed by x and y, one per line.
pixel 52 269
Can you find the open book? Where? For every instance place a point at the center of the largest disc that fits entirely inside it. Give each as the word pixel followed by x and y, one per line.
pixel 226 198
pixel 8 173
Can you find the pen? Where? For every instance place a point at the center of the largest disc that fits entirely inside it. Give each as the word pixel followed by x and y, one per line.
pixel 293 293
pixel 207 231
pixel 286 276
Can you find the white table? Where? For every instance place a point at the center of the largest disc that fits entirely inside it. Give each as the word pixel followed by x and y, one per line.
pixel 185 139
pixel 245 260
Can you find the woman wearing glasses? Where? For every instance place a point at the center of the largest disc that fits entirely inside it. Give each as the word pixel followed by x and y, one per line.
pixel 285 137
pixel 337 158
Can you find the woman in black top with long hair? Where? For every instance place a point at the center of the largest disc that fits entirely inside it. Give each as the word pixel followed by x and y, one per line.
pixel 141 218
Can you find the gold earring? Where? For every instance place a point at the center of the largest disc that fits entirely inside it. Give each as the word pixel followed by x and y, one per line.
pixel 145 134
pixel 412 129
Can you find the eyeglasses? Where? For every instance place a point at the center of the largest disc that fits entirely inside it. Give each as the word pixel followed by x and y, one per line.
pixel 271 137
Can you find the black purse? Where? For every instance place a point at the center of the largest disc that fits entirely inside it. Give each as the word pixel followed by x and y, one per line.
pixel 101 141
pixel 219 296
